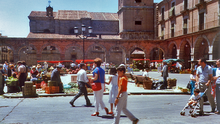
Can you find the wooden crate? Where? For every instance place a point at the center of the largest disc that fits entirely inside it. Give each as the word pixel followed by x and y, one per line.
pixel 74 78
pixel 55 89
pixel 147 84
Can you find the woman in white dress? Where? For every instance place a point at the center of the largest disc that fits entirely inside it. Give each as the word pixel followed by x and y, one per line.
pixel 113 81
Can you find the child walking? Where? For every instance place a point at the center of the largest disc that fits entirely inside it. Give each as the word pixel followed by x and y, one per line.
pixel 113 82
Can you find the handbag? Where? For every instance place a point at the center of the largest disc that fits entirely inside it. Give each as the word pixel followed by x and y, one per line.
pixel 189 85
pixel 96 86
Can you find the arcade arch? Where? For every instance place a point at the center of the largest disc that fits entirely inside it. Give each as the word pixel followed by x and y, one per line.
pixel 73 52
pixel 216 47
pixel 172 51
pixel 6 54
pixel 201 48
pixel 156 54
pixel 185 51
pixel 96 51
pixel 50 52
pixel 28 54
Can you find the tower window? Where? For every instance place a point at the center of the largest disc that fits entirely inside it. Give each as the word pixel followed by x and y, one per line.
pixel 137 1
pixel 137 22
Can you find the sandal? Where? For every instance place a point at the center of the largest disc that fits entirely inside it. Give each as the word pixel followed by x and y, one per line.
pixel 95 114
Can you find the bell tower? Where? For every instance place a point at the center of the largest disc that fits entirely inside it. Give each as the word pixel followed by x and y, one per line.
pixel 136 19
pixel 49 10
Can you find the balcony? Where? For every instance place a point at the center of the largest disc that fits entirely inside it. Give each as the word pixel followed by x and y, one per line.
pixel 200 2
pixel 172 12
pixel 184 9
pixel 161 19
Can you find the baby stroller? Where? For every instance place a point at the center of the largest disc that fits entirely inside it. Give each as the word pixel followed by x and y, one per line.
pixel 193 106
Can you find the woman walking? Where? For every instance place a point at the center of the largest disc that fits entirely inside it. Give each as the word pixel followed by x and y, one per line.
pixel 98 77
pixel 113 81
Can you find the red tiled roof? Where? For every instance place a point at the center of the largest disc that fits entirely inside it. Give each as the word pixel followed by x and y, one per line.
pixel 76 15
pixel 62 36
pixel 40 14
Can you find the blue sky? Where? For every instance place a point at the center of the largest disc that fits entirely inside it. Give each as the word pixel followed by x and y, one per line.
pixel 14 20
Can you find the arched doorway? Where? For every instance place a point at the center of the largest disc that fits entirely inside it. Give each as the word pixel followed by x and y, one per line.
pixel 6 54
pixel 156 54
pixel 73 53
pixel 173 51
pixel 201 49
pixel 96 51
pixel 137 57
pixel 185 51
pixel 216 48
pixel 50 53
pixel 28 54
pixel 116 55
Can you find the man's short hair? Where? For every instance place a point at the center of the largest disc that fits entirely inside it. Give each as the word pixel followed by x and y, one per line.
pixel 203 60
pixel 81 65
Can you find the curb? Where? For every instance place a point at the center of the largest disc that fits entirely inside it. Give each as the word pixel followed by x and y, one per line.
pixel 160 92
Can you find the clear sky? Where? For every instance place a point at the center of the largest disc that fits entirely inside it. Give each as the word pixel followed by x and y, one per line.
pixel 14 14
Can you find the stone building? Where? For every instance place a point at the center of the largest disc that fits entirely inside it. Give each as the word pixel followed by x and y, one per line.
pixel 142 29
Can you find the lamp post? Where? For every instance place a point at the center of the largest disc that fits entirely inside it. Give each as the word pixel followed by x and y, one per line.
pixel 83 35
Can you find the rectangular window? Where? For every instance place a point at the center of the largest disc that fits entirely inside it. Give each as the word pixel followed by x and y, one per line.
pixel 185 26
pixel 137 1
pixel 173 10
pixel 185 4
pixel 201 21
pixel 162 33
pixel 137 22
pixel 162 12
pixel 172 30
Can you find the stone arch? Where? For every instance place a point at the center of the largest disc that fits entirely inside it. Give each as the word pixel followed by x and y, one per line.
pixel 216 47
pixel 28 54
pixel 52 52
pixel 73 52
pixel 157 53
pixel 116 54
pixel 96 50
pixel 172 50
pixel 201 47
pixel 6 53
pixel 185 52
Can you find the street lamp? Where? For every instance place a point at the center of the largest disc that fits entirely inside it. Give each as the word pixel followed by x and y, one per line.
pixel 83 35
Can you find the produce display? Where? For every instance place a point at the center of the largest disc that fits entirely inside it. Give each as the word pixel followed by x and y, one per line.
pixel 11 81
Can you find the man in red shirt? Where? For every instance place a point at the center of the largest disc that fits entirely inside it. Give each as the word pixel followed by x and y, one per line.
pixel 121 99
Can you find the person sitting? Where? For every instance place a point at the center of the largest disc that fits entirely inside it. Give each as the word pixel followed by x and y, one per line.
pixel 146 74
pixel 34 73
pixel 194 98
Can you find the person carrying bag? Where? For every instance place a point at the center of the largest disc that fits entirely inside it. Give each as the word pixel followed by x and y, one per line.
pixel 98 81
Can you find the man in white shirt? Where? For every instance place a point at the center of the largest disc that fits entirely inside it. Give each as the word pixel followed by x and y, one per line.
pixel 217 78
pixel 82 80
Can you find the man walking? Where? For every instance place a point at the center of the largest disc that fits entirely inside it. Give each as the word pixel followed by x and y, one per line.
pixel 165 74
pixel 204 77
pixel 82 80
pixel 217 78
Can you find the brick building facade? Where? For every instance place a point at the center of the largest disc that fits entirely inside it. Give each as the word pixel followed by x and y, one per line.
pixel 184 29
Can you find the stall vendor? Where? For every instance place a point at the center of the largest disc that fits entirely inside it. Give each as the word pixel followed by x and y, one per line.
pixel 34 74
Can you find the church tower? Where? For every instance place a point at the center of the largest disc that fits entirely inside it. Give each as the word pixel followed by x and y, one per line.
pixel 49 10
pixel 136 19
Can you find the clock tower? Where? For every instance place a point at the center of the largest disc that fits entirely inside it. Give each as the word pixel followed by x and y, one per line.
pixel 136 19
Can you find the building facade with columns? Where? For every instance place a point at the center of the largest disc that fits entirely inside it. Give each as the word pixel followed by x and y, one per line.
pixel 183 29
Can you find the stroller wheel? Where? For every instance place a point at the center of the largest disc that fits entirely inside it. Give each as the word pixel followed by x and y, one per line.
pixel 190 111
pixel 193 115
pixel 182 113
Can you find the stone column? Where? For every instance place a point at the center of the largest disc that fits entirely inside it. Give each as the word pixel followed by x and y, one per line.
pixel 178 53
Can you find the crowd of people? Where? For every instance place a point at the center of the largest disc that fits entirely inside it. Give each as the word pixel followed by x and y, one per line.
pixel 206 78
pixel 118 91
